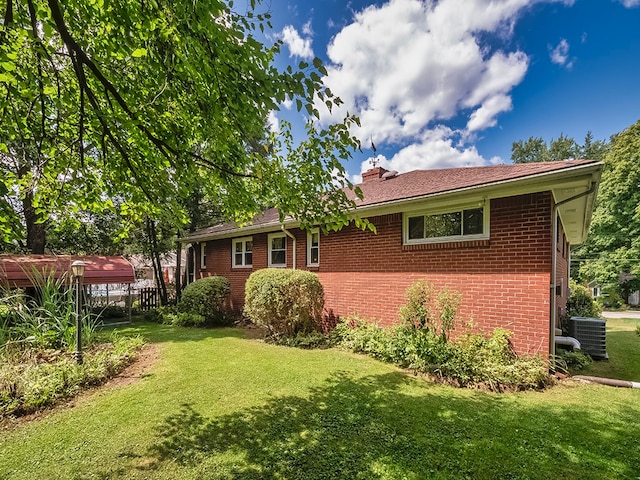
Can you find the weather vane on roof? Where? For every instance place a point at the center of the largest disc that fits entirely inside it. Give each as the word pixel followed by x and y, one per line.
pixel 374 160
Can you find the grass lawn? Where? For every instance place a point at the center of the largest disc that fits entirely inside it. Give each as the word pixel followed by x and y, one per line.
pixel 623 347
pixel 219 406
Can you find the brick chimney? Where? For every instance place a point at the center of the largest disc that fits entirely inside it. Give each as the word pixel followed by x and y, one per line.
pixel 373 174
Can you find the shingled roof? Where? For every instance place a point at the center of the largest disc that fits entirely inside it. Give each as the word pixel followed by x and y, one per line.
pixel 417 184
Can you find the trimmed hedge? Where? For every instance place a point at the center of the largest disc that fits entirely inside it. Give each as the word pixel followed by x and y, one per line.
pixel 207 297
pixel 285 301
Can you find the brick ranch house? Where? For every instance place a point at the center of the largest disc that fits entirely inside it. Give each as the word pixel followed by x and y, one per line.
pixel 500 235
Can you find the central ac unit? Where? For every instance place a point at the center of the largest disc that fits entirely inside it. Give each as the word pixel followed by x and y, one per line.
pixel 592 335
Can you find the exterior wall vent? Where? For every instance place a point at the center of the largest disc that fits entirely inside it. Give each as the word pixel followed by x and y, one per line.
pixel 592 335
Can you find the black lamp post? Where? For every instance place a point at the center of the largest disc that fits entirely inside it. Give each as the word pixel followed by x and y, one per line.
pixel 77 269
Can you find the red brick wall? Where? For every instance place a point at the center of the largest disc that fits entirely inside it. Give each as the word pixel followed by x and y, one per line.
pixel 562 273
pixel 504 280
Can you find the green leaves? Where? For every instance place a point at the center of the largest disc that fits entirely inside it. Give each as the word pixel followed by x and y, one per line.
pixel 142 101
pixel 613 246
pixel 139 52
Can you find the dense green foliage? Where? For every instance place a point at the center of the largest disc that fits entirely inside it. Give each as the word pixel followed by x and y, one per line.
pixel 285 301
pixel 216 405
pixel 206 297
pixel 37 341
pixel 562 148
pixel 580 303
pixel 613 246
pixel 471 360
pixel 427 310
pixel 571 362
pixel 46 321
pixel 31 379
pixel 132 107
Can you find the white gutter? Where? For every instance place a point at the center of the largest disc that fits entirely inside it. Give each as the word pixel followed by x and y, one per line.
pixel 554 264
pixel 291 236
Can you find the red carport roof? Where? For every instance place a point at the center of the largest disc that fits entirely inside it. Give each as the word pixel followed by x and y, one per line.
pixel 17 270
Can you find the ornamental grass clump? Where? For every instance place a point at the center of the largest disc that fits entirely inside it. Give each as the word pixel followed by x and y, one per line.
pixel 287 302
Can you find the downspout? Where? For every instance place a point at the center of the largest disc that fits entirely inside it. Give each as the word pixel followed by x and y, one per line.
pixel 292 237
pixel 554 262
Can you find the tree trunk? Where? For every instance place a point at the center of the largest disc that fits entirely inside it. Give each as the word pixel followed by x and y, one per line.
pixel 178 269
pixel 36 236
pixel 155 260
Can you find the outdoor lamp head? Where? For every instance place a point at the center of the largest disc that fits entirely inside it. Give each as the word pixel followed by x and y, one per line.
pixel 77 268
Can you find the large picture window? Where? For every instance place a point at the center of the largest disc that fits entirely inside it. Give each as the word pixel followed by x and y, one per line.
pixel 243 252
pixel 459 224
pixel 313 247
pixel 277 250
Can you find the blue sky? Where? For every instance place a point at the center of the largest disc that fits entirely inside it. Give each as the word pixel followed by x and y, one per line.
pixel 456 82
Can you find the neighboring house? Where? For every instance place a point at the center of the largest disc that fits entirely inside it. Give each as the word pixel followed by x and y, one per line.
pixel 488 232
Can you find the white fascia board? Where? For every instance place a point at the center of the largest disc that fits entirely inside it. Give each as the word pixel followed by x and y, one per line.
pixel 242 231
pixel 549 181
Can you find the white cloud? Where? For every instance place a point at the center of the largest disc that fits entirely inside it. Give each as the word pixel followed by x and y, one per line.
pixel 298 46
pixel 560 54
pixel 410 65
pixel 630 3
pixel 435 149
pixel 307 29
pixel 272 122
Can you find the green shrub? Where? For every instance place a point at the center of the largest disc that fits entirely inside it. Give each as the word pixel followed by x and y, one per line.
pixel 610 298
pixel 638 330
pixel 308 340
pixel 472 359
pixel 580 303
pixel 572 361
pixel 183 319
pixel 207 297
pixel 424 312
pixel 285 301
pixel 30 380
pixel 154 315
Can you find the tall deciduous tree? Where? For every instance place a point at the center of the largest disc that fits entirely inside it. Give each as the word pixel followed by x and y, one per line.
pixel 139 100
pixel 614 240
pixel 535 149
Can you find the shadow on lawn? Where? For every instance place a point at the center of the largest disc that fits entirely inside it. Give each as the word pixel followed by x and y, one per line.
pixel 159 333
pixel 368 428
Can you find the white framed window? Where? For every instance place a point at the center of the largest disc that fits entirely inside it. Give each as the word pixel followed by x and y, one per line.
pixel 454 224
pixel 242 256
pixel 313 247
pixel 277 250
pixel 203 255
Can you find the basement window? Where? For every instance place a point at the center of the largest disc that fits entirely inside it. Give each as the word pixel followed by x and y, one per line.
pixel 243 252
pixel 465 223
